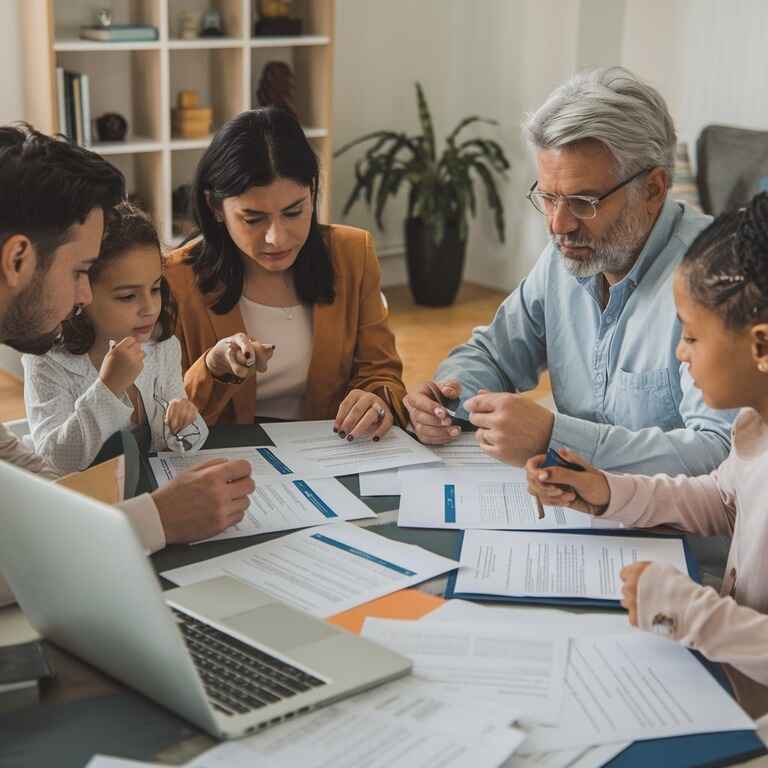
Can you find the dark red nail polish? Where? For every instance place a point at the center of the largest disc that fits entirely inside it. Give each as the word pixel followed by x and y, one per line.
pixel 376 439
pixel 335 430
pixel 342 433
pixel 350 438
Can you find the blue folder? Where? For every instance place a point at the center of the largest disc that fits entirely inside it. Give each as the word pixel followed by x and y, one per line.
pixel 581 602
pixel 705 750
pixel 702 750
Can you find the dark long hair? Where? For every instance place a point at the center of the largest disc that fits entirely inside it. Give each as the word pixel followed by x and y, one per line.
pixel 126 227
pixel 253 150
pixel 727 265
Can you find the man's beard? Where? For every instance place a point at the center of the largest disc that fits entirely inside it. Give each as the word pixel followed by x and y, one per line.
pixel 615 252
pixel 24 325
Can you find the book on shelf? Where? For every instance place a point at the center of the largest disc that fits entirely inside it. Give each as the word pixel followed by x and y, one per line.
pixel 22 666
pixel 74 106
pixel 120 33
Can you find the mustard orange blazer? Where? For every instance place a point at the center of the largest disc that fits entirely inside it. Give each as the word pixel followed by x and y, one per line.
pixel 352 346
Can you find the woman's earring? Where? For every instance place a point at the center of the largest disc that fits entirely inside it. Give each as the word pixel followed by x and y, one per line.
pixel 762 366
pixel 78 310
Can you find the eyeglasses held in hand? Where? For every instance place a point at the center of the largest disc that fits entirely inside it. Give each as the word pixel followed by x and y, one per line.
pixel 188 436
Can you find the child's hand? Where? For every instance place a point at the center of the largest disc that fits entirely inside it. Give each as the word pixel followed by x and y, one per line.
pixel 180 414
pixel 586 491
pixel 121 365
pixel 630 575
pixel 239 355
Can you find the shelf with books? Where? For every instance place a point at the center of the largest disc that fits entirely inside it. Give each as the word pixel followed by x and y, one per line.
pixel 141 80
pixel 103 90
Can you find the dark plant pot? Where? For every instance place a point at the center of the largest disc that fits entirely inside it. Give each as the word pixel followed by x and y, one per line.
pixel 434 270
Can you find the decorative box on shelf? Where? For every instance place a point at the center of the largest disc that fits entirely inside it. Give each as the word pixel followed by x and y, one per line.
pixel 189 120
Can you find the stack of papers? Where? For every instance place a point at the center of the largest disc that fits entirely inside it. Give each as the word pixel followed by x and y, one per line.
pixel 408 723
pixel 294 478
pixel 523 671
pixel 322 571
pixel 515 564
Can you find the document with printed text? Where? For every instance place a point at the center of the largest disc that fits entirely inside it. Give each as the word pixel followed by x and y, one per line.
pixel 634 687
pixel 324 453
pixel 323 571
pixel 480 498
pixel 462 453
pixel 285 505
pixel 267 462
pixel 532 564
pixel 521 669
pixel 407 723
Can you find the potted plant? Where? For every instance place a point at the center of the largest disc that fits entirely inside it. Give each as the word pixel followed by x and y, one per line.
pixel 441 196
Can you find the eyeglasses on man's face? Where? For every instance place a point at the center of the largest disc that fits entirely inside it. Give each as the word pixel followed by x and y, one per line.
pixel 579 206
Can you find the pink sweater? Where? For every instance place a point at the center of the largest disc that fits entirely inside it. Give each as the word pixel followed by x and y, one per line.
pixel 731 627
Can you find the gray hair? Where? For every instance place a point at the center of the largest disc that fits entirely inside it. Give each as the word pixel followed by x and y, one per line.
pixel 612 106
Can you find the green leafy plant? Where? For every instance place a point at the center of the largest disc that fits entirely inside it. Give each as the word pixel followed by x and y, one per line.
pixel 442 188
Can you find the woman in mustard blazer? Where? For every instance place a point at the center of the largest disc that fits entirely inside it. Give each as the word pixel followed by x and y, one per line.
pixel 278 316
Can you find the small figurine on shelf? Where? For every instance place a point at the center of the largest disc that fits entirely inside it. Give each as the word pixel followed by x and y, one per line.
pixel 189 25
pixel 111 127
pixel 189 120
pixel 275 19
pixel 277 87
pixel 104 17
pixel 211 24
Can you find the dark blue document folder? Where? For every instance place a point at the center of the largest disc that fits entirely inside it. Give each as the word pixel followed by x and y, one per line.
pixel 707 750
pixel 581 602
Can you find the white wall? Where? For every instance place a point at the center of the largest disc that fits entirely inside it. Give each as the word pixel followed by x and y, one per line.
pixel 708 58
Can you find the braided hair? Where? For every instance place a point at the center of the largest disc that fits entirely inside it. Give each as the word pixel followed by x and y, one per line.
pixel 727 265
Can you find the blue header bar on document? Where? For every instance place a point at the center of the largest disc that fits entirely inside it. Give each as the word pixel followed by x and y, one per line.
pixel 269 456
pixel 364 555
pixel 313 498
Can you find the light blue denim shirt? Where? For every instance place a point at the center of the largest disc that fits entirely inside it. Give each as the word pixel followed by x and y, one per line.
pixel 624 401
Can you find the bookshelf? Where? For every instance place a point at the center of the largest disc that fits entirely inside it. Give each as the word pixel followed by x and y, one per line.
pixel 141 80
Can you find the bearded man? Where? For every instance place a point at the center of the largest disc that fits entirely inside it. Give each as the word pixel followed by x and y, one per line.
pixel 54 198
pixel 597 310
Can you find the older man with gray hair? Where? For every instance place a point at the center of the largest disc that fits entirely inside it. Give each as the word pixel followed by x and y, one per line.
pixel 597 310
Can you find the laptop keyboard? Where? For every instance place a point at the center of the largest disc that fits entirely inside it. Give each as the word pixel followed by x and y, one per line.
pixel 239 678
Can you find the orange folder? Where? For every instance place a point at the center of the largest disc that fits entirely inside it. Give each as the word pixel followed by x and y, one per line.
pixel 104 482
pixel 405 604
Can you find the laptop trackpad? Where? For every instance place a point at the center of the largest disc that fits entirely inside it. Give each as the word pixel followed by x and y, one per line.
pixel 279 627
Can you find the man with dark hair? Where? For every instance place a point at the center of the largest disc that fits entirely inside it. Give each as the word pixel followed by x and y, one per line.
pixel 54 197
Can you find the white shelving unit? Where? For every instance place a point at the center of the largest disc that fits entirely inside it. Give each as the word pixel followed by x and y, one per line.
pixel 141 80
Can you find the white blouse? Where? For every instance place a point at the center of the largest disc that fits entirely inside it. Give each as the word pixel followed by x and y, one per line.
pixel 72 412
pixel 281 389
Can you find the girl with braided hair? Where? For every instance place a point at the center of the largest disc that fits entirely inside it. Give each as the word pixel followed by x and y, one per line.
pixel 721 292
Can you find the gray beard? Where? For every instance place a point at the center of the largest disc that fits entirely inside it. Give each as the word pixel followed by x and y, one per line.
pixel 615 252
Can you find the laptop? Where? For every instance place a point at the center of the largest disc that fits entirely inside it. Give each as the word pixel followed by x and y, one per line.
pixel 225 656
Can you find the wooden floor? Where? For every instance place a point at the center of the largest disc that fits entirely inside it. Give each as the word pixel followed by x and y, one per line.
pixel 424 335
